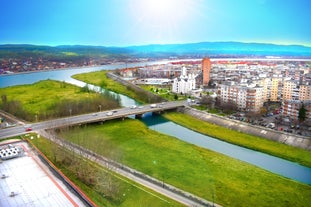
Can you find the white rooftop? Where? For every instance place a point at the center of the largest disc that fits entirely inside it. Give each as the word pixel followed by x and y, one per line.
pixel 26 181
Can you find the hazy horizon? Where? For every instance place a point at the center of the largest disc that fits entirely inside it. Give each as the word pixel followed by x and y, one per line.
pixel 123 23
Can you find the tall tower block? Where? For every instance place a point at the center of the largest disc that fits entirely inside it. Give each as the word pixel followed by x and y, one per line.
pixel 206 69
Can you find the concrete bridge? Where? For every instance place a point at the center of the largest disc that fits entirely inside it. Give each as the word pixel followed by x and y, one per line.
pixel 101 116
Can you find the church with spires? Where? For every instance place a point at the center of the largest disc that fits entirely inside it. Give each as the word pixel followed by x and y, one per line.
pixel 185 83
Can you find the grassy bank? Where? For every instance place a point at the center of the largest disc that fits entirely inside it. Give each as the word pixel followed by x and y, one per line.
pixel 208 174
pixel 246 140
pixel 99 78
pixel 48 99
pixel 124 192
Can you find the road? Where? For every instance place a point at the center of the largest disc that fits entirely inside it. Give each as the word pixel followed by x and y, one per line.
pixel 89 118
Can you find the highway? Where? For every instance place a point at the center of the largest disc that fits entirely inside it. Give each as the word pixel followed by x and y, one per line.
pixel 90 118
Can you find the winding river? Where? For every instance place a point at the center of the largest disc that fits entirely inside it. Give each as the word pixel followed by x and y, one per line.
pixel 273 164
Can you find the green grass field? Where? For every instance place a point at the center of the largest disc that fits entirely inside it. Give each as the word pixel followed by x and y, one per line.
pixel 127 193
pixel 49 98
pixel 203 172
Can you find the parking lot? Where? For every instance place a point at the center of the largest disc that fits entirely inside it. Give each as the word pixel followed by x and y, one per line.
pixel 276 122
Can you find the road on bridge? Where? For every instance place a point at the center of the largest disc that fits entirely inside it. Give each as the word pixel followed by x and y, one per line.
pixel 90 118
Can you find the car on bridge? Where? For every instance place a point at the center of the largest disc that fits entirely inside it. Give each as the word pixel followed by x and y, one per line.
pixel 133 107
pixel 28 129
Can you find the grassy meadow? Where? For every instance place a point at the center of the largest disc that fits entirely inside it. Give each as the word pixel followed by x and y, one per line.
pixel 213 176
pixel 49 98
pixel 108 189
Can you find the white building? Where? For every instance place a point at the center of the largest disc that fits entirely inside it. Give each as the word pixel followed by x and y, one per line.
pixel 185 83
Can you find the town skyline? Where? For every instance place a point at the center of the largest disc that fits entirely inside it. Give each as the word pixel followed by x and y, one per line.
pixel 124 23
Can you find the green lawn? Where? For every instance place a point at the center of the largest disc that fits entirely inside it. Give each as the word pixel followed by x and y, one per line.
pixel 253 142
pixel 164 92
pixel 127 193
pixel 203 172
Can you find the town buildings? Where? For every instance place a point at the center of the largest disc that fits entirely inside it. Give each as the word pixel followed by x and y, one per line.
pixel 265 81
pixel 245 83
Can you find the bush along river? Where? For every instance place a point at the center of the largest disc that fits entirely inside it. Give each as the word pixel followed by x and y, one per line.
pixel 271 163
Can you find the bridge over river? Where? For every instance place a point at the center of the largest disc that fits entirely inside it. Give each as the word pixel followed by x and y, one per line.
pixel 91 118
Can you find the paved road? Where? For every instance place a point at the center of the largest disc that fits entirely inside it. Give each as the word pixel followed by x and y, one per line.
pixel 89 118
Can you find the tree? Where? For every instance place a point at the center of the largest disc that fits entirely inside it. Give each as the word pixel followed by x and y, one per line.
pixel 4 99
pixel 175 96
pixel 302 113
pixel 208 101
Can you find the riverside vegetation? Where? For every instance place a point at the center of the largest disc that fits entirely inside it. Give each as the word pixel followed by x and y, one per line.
pixel 99 78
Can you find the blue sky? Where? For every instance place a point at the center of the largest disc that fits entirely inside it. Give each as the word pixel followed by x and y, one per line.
pixel 141 22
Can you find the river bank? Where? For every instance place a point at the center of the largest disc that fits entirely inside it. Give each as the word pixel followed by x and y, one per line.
pixel 282 137
pixel 299 143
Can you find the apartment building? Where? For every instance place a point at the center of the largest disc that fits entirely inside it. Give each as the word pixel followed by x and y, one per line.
pixel 292 90
pixel 304 92
pixel 206 70
pixel 291 109
pixel 246 98
pixel 270 89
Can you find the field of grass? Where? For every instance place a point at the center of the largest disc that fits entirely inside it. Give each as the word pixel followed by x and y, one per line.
pixel 246 140
pixel 43 98
pixel 208 174
pixel 99 78
pixel 127 193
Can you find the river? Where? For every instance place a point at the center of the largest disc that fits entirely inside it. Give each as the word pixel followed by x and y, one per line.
pixel 273 164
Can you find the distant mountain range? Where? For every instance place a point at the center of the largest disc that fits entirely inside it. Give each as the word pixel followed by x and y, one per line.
pixel 223 49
